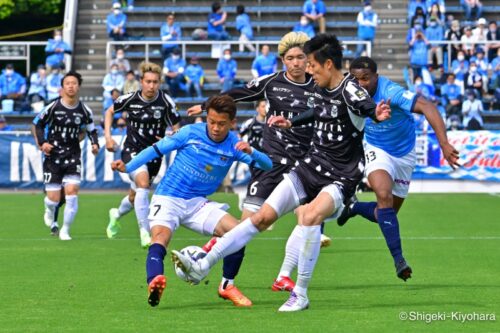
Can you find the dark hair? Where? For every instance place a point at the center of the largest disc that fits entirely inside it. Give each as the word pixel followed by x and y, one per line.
pixel 240 9
pixel 222 104
pixel 323 47
pixel 216 6
pixel 74 74
pixel 131 72
pixel 364 63
pixel 257 103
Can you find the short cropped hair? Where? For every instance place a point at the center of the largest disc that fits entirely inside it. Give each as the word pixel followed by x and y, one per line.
pixel 222 104
pixel 149 67
pixel 364 63
pixel 291 40
pixel 323 47
pixel 75 74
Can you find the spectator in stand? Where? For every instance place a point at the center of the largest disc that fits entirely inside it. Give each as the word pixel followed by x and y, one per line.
pixel 131 84
pixel 460 67
pixel 315 11
pixel 38 85
pixel 451 97
pixel 482 66
pixel 453 34
pixel 434 32
pixel 424 89
pixel 471 112
pixel 467 42
pixel 194 77
pixel 412 8
pixel 170 32
pixel 173 69
pixel 474 80
pixel 493 35
pixel 265 63
pixel 226 70
pixel 418 53
pixel 244 27
pixel 367 25
pixel 419 18
pixel 113 80
pixel 54 83
pixel 116 23
pixel 435 13
pixel 480 32
pixel 120 61
pixel 412 31
pixel 441 7
pixel 304 26
pixel 13 86
pixel 130 4
pixel 216 20
pixel 472 9
pixel 55 50
pixel 120 128
pixel 115 93
pixel 495 72
pixel 4 127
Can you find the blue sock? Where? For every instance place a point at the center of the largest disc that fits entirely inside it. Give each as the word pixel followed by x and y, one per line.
pixel 232 264
pixel 322 227
pixel 154 261
pixel 365 209
pixel 388 222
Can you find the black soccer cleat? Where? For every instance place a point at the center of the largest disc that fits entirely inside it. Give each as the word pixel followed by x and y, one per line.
pixel 54 231
pixel 403 271
pixel 347 211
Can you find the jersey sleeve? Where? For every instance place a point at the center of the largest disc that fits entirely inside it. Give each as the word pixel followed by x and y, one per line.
pixel 41 120
pixel 402 98
pixel 359 101
pixel 91 129
pixel 172 116
pixel 121 102
pixel 256 159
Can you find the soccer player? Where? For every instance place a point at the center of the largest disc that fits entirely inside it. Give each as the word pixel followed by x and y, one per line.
pixel 149 113
pixel 328 173
pixel 205 152
pixel 57 132
pixel 390 155
pixel 254 126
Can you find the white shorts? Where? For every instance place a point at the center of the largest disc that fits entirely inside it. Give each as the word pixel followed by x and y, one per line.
pixel 198 214
pixel 68 179
pixel 289 194
pixel 400 168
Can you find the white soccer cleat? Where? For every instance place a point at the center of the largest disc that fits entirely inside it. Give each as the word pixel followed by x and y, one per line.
pixel 325 241
pixel 145 238
pixel 294 303
pixel 64 234
pixel 48 217
pixel 192 269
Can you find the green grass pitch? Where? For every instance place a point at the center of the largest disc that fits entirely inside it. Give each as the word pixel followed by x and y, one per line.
pixel 93 284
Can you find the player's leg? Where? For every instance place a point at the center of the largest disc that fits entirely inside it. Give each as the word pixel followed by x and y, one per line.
pixel 54 227
pixel 71 187
pixel 141 205
pixel 126 205
pixel 164 219
pixel 52 178
pixel 310 217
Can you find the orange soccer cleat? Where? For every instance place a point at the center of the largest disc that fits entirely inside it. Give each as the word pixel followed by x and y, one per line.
pixel 155 289
pixel 234 295
pixel 283 283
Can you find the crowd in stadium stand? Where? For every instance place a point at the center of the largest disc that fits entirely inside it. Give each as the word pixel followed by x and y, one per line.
pixel 461 78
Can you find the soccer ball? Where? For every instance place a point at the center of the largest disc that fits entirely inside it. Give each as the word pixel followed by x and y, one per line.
pixel 195 253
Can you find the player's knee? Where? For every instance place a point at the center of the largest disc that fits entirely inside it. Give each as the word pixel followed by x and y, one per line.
pixel 261 221
pixel 384 199
pixel 311 217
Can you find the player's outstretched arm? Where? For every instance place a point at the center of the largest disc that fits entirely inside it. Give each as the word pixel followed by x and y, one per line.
pixel 254 157
pixel 432 115
pixel 194 110
pixel 383 110
pixel 108 122
pixel 279 121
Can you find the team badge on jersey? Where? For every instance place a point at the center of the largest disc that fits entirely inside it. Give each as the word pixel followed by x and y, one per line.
pixel 310 102
pixel 78 121
pixel 334 111
pixel 208 168
pixel 157 114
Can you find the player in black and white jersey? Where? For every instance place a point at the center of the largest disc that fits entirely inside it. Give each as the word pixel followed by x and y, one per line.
pixel 322 179
pixel 149 113
pixel 253 128
pixel 57 132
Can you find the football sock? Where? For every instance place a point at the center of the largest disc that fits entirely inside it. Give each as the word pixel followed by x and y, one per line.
pixel 322 227
pixel 292 251
pixel 232 264
pixel 125 206
pixel 365 209
pixel 141 204
pixel 154 261
pixel 50 205
pixel 56 211
pixel 70 209
pixel 231 242
pixel 226 282
pixel 388 222
pixel 309 253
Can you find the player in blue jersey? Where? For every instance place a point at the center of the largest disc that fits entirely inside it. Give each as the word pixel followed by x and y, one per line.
pixel 205 152
pixel 390 155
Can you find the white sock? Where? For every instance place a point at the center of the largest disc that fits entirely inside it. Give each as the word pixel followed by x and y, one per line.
pixel 309 252
pixel 70 210
pixel 231 242
pixel 292 251
pixel 125 206
pixel 226 282
pixel 141 204
pixel 50 205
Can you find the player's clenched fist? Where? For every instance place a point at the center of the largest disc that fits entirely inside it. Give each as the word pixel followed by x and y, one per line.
pixel 118 165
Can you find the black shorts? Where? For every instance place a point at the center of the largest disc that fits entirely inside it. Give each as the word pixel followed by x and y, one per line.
pixel 53 173
pixel 263 183
pixel 153 165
